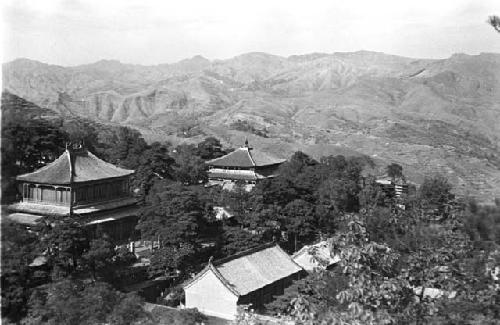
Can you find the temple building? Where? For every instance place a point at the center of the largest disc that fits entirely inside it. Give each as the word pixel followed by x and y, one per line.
pixel 251 277
pixel 81 185
pixel 244 164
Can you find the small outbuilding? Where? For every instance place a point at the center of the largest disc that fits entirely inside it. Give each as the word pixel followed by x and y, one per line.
pixel 314 256
pixel 250 277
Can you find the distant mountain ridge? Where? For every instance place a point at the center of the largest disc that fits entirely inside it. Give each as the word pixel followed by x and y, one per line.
pixel 429 115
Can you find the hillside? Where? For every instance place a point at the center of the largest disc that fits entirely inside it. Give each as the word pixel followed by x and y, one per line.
pixel 429 115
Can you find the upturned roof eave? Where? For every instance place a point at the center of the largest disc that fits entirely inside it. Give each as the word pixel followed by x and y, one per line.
pixel 66 171
pixel 74 182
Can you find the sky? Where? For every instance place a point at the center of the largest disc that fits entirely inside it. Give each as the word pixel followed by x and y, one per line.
pixel 73 32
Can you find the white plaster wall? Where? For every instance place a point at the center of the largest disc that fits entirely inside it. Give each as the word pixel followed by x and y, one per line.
pixel 211 297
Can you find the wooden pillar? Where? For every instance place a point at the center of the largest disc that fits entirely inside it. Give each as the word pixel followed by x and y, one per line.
pixel 71 197
pixel 25 195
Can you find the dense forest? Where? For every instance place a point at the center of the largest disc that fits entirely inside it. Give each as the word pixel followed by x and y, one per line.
pixel 424 258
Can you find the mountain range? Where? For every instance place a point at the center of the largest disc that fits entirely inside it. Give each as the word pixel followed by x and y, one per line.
pixel 429 115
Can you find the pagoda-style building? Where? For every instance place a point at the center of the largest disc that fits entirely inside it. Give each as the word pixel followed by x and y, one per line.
pixel 244 164
pixel 80 185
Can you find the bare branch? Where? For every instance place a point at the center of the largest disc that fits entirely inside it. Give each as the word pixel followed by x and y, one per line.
pixel 495 22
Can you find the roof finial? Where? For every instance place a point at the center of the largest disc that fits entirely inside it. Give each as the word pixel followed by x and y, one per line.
pixel 210 259
pixel 246 142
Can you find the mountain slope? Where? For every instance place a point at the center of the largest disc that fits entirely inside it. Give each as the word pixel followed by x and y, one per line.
pixel 429 115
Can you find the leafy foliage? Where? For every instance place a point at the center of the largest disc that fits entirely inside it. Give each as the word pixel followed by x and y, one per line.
pixel 435 193
pixel 169 260
pixel 394 170
pixel 173 214
pixel 235 239
pixel 210 148
pixel 189 167
pixel 72 302
pixel 19 249
pixel 65 242
pixel 99 256
pixel 494 21
pixel 165 316
pixel 422 270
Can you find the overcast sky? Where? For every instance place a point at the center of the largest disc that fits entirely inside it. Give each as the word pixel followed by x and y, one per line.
pixel 71 32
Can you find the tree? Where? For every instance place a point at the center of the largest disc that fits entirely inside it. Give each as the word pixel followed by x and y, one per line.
pixel 65 241
pixel 155 164
pixel 320 288
pixel 19 249
pixel 408 274
pixel 72 302
pixel 27 144
pixel 236 239
pixel 164 316
pixel 189 168
pixel 128 311
pixel 297 164
pixel 298 219
pixel 370 194
pixel 210 148
pixel 239 199
pixel 99 257
pixel 56 303
pixel 174 215
pixel 277 191
pixel 339 195
pixel 435 193
pixel 494 21
pixel 394 171
pixel 172 260
pixel 123 146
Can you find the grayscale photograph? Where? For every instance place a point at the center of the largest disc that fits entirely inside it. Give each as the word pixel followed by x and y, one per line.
pixel 266 162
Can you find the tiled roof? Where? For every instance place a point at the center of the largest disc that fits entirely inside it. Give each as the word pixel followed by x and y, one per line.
pixel 253 269
pixel 84 166
pixel 245 157
pixel 317 255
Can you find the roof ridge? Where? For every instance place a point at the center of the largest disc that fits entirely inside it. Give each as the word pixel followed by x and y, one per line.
pixel 218 275
pixel 250 156
pixel 71 169
pixel 90 154
pixel 219 158
pixel 289 257
pixel 305 248
pixel 224 281
pixel 244 253
pixel 43 167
